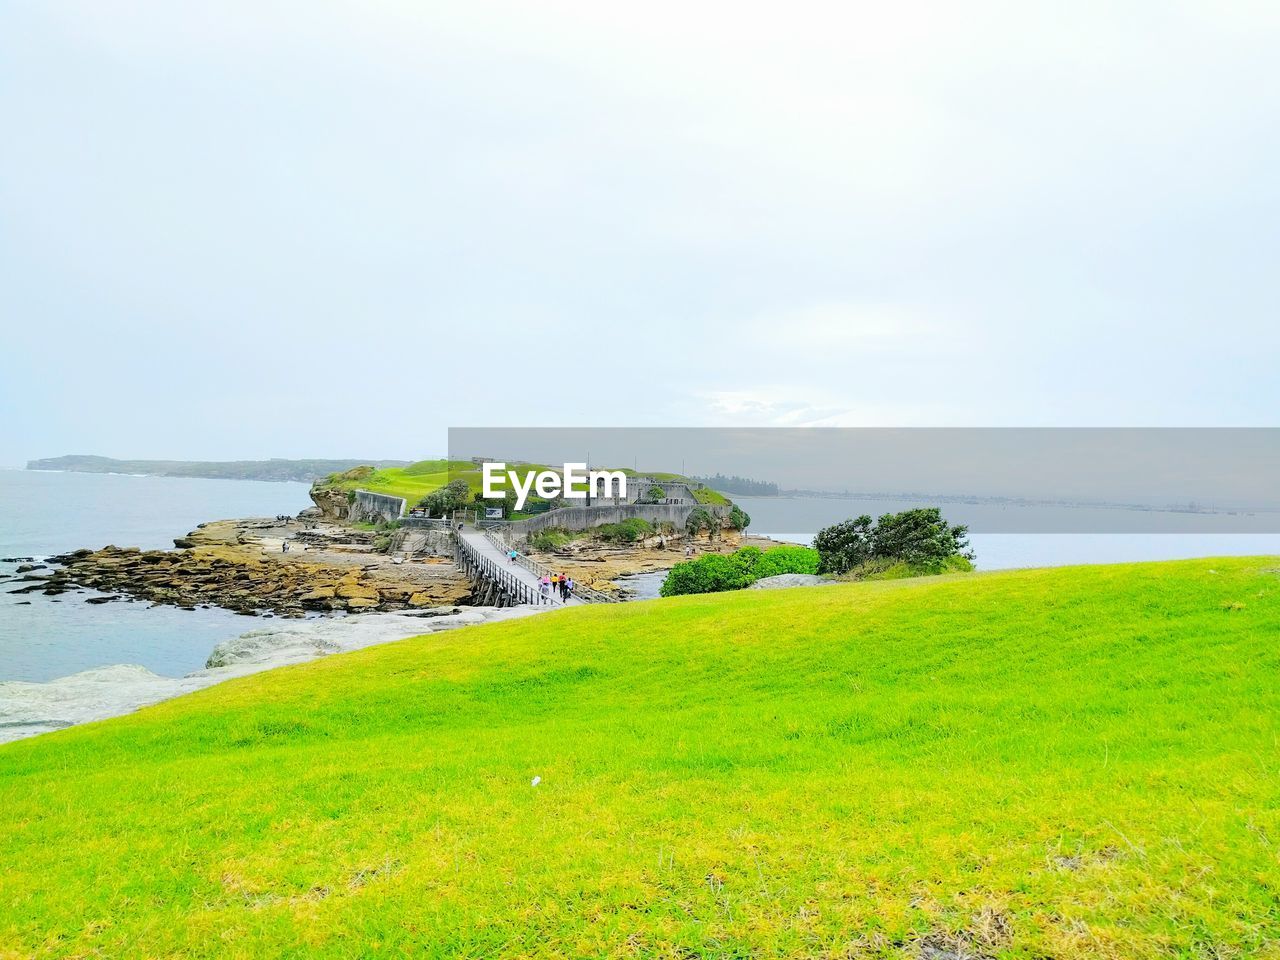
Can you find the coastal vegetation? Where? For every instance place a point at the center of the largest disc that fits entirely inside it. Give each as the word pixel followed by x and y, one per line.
pixel 631 530
pixel 417 480
pixel 412 482
pixel 452 496
pixel 913 543
pixel 713 572
pixel 1068 763
pixel 919 541
pixel 742 486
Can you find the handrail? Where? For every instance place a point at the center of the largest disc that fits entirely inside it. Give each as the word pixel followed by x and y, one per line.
pixel 511 588
pixel 542 570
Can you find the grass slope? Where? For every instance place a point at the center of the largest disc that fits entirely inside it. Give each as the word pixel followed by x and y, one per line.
pixel 415 481
pixel 1067 763
pixel 412 482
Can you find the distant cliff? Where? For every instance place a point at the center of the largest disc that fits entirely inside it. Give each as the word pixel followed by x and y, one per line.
pixel 303 471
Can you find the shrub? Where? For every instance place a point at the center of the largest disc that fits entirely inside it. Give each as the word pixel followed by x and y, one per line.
pixel 739 519
pixel 630 530
pixel 451 496
pixel 900 570
pixel 549 538
pixel 744 561
pixel 779 560
pixel 920 539
pixel 712 573
pixel 844 545
pixel 699 520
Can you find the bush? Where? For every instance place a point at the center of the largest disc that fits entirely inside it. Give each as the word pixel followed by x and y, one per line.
pixel 739 519
pixel 844 545
pixel 920 539
pixel 710 574
pixel 779 560
pixel 700 520
pixel 630 530
pixel 450 497
pixel 900 570
pixel 714 573
pixel 549 538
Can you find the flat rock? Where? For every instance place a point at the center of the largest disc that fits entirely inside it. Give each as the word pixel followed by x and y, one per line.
pixel 784 580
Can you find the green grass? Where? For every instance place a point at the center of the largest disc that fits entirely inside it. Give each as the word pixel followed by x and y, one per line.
pixel 412 482
pixel 1069 763
pixel 418 479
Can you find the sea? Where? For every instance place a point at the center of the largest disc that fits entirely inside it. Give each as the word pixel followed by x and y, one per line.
pixel 1074 536
pixel 47 513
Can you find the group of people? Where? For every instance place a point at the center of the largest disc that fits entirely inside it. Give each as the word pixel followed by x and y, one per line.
pixel 550 585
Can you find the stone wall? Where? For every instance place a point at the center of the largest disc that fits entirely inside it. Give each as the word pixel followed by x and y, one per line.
pixel 422 542
pixel 584 518
pixel 638 489
pixel 373 507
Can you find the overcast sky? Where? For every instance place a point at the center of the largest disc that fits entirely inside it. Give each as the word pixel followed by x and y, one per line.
pixel 309 229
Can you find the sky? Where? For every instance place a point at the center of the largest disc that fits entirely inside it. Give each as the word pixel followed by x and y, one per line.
pixel 245 230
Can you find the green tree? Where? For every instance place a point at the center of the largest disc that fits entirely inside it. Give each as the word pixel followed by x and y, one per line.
pixel 450 497
pixel 920 538
pixel 844 545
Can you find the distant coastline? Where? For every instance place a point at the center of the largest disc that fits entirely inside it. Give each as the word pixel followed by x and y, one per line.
pixel 274 470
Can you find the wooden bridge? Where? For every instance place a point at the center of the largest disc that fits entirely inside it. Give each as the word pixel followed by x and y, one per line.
pixel 484 558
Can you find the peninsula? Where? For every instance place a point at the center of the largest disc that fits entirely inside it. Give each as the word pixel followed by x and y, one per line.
pixel 300 471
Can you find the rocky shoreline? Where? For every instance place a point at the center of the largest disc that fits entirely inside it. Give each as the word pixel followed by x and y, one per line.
pixel 241 565
pixel 285 567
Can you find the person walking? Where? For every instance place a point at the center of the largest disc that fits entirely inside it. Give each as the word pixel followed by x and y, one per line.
pixel 564 589
pixel 569 585
pixel 544 588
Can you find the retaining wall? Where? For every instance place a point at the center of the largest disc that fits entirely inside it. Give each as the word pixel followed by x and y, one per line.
pixel 372 507
pixel 584 518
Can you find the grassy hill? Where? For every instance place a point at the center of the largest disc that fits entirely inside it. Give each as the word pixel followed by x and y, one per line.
pixel 1053 763
pixel 415 481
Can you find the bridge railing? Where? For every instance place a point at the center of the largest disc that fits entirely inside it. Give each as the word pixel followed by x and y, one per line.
pixel 509 589
pixel 583 593
pixel 425 523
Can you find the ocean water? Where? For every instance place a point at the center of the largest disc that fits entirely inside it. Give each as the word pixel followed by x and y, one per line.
pixel 49 513
pixel 43 638
pixel 795 520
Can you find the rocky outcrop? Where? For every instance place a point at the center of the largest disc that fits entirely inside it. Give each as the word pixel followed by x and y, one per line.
pixel 234 564
pixel 334 503
pixel 783 580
